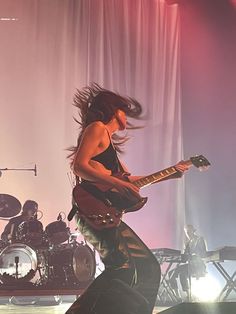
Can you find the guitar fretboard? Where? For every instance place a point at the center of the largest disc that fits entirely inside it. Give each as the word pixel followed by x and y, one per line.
pixel 155 177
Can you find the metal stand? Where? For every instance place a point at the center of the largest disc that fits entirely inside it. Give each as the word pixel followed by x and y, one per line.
pixel 19 169
pixel 230 282
pixel 166 293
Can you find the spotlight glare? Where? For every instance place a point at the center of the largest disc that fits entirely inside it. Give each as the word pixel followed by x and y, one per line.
pixel 205 289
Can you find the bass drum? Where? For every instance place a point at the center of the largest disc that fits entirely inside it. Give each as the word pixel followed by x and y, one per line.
pixel 72 265
pixel 21 264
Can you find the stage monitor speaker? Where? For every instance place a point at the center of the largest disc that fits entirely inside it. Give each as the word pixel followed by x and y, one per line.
pixel 203 308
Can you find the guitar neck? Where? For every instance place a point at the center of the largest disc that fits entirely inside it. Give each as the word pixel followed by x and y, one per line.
pixel 157 176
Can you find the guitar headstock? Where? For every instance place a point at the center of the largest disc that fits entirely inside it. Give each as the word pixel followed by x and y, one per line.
pixel 200 162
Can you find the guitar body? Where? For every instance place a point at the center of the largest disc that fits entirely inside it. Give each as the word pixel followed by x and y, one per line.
pixel 101 207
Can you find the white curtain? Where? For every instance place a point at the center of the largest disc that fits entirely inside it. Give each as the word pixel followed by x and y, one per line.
pixel 50 48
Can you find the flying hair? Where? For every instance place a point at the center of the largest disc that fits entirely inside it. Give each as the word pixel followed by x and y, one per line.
pixel 95 103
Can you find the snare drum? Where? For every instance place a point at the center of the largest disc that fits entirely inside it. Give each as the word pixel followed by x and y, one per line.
pixel 72 264
pixel 57 232
pixel 20 264
pixel 30 232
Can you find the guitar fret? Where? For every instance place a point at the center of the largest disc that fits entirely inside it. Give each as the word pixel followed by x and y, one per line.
pixel 145 180
pixel 138 183
pixel 155 177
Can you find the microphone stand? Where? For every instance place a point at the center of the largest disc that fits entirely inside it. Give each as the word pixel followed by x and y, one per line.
pixel 17 262
pixel 19 169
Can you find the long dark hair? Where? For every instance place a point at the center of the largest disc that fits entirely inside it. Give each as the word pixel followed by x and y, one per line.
pixel 95 103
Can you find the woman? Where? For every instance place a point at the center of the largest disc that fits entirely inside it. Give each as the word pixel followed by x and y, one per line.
pixel 130 281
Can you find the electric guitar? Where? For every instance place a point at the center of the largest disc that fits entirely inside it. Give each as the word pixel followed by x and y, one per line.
pixel 101 207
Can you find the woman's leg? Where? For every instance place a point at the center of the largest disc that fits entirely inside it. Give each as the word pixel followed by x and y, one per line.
pixel 119 275
pixel 148 272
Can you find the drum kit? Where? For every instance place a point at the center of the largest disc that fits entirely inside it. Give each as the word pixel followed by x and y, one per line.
pixel 48 259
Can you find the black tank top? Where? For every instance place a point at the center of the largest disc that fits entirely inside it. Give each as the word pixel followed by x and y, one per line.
pixel 108 159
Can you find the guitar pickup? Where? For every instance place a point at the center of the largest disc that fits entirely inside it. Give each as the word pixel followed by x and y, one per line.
pixel 107 202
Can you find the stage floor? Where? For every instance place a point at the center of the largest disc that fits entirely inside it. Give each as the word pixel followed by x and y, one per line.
pixel 32 309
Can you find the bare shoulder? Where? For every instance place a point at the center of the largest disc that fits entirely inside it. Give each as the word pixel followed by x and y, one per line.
pixel 93 132
pixel 96 128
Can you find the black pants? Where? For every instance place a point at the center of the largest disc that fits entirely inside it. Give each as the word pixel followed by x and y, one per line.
pixel 181 271
pixel 130 281
pixel 194 268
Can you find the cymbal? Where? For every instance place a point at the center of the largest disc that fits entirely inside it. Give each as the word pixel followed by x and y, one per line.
pixel 9 205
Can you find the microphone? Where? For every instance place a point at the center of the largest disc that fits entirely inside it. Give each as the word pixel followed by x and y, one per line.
pixel 35 170
pixel 72 212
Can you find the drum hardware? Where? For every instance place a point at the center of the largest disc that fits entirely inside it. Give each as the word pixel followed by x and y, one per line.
pixel 17 262
pixel 73 236
pixel 20 169
pixel 36 215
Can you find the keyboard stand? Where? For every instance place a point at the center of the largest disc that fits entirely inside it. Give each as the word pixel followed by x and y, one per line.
pixel 166 293
pixel 230 282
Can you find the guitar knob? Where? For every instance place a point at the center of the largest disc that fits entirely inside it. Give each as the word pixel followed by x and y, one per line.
pixel 99 217
pixel 108 215
pixel 104 222
pixel 111 221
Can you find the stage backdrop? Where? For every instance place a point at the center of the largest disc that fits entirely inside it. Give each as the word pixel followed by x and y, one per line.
pixel 50 48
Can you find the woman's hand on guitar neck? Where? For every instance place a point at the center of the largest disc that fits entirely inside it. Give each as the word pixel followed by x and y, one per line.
pixel 181 167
